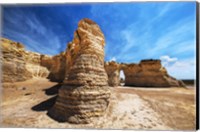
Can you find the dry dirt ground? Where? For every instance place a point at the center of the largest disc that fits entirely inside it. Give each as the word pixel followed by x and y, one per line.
pixel 25 104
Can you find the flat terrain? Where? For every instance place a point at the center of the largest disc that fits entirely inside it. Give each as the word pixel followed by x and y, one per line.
pixel 25 104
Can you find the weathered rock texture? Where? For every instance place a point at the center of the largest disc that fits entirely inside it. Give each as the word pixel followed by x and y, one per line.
pixel 33 61
pixel 13 62
pixel 56 65
pixel 113 71
pixel 149 73
pixel 85 93
pixel 20 65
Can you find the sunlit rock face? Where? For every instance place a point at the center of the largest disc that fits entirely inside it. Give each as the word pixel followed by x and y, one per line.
pixel 56 65
pixel 149 73
pixel 33 61
pixel 113 71
pixel 19 64
pixel 85 93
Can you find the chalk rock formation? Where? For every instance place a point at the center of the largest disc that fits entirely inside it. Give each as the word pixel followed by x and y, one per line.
pixel 56 65
pixel 33 61
pixel 85 93
pixel 149 73
pixel 113 71
pixel 19 64
pixel 37 70
pixel 13 62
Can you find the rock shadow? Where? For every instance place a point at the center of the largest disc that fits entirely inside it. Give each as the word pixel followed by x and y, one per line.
pixel 52 90
pixel 45 105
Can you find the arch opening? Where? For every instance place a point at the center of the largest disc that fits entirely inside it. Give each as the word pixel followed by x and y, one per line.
pixel 122 78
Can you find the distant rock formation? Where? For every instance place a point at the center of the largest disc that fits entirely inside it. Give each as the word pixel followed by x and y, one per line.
pixel 85 93
pixel 32 61
pixel 56 65
pixel 113 70
pixel 149 73
pixel 18 64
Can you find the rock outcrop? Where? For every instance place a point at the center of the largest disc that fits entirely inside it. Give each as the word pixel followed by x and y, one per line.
pixel 20 65
pixel 85 92
pixel 56 65
pixel 113 71
pixel 13 62
pixel 33 61
pixel 149 73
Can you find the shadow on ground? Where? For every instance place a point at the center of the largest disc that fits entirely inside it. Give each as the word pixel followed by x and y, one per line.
pixel 45 105
pixel 52 90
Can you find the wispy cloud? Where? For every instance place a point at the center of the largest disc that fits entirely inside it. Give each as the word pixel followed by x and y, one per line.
pixel 176 35
pixel 29 29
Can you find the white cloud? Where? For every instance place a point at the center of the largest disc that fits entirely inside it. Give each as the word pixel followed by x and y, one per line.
pixel 166 60
pixel 181 69
pixel 113 59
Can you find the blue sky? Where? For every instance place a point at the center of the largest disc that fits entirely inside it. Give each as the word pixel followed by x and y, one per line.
pixel 133 31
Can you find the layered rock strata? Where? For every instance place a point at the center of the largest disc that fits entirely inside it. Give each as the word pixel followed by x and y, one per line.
pixel 20 65
pixel 149 73
pixel 13 62
pixel 113 71
pixel 85 93
pixel 32 61
pixel 56 65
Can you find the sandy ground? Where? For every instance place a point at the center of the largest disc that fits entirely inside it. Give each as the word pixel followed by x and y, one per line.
pixel 25 104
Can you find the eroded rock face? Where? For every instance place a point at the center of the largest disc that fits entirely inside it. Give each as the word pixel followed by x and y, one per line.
pixel 113 71
pixel 20 65
pixel 33 61
pixel 13 62
pixel 149 73
pixel 56 65
pixel 85 93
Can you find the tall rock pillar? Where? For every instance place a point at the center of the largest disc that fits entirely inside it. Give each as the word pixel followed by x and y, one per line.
pixel 85 93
